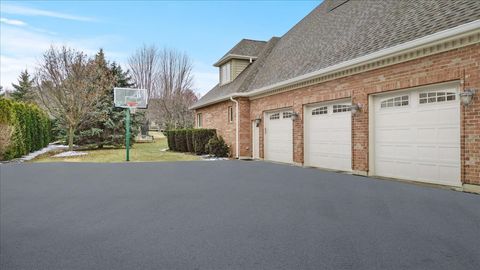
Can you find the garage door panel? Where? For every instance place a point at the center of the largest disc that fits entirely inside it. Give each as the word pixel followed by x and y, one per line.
pixel 278 137
pixel 401 118
pixel 386 135
pixel 328 138
pixel 448 134
pixel 448 154
pixel 420 141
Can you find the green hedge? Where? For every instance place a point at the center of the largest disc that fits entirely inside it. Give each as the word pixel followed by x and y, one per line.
pixel 200 139
pixel 170 134
pixel 181 140
pixel 29 129
pixel 189 140
pixel 189 135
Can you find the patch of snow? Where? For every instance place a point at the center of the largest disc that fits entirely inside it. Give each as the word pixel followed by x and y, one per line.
pixel 210 157
pixel 50 147
pixel 164 150
pixel 71 154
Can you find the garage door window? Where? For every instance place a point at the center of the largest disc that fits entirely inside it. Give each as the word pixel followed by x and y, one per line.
pixel 287 115
pixel 341 108
pixel 433 97
pixel 275 116
pixel 320 110
pixel 395 102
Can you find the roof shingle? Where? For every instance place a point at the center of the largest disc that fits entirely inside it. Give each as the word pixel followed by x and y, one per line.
pixel 326 36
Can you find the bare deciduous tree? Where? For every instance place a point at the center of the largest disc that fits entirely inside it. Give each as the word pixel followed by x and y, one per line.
pixel 65 86
pixel 167 74
pixel 144 64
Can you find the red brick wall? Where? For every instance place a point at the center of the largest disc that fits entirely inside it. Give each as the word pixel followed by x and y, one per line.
pixel 216 116
pixel 457 64
pixel 245 128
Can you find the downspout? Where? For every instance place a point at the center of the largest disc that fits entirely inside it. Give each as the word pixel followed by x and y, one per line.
pixel 237 125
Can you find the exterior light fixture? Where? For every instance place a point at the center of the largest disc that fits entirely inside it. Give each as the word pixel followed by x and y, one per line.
pixel 294 116
pixel 257 121
pixel 466 96
pixel 354 108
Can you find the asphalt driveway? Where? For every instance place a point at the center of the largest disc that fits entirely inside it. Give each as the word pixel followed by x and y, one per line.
pixel 228 215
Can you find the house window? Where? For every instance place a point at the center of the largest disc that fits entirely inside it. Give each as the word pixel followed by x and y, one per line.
pixel 394 102
pixel 275 116
pixel 341 108
pixel 320 110
pixel 230 114
pixel 199 120
pixel 287 114
pixel 433 97
pixel 225 73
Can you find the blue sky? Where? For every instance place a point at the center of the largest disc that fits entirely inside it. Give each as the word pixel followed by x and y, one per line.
pixel 205 30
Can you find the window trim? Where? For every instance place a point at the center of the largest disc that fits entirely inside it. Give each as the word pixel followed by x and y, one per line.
pixel 391 102
pixel 226 73
pixel 321 110
pixel 287 115
pixel 432 97
pixel 199 120
pixel 341 108
pixel 274 116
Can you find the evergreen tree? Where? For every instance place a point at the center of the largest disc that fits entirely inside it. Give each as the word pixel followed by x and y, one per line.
pixel 24 88
pixel 108 128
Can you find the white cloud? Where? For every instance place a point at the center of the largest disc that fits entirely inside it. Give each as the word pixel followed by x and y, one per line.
pixel 12 22
pixel 205 77
pixel 11 68
pixel 22 48
pixel 204 81
pixel 23 10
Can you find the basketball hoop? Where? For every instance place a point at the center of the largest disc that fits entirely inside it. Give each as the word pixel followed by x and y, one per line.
pixel 130 99
pixel 132 105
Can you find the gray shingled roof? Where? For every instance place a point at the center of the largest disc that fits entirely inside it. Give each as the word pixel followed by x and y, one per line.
pixel 357 28
pixel 351 30
pixel 246 47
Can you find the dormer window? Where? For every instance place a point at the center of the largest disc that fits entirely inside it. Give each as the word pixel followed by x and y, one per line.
pixel 225 73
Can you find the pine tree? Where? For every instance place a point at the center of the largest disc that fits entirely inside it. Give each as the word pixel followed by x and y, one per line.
pixel 109 125
pixel 24 88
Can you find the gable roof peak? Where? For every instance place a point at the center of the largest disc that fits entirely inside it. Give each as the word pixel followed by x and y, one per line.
pixel 245 49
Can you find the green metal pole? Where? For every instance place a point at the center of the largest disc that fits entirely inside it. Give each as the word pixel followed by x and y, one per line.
pixel 127 133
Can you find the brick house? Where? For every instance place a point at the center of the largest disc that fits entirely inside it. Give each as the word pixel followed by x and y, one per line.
pixel 386 88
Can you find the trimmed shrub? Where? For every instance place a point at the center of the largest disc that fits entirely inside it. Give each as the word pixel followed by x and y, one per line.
pixel 189 140
pixel 170 134
pixel 189 137
pixel 181 140
pixel 25 128
pixel 216 146
pixel 200 139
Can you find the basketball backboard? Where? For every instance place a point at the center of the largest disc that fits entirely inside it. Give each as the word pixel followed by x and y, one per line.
pixel 130 98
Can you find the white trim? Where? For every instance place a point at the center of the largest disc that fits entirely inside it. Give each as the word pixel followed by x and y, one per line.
pixel 452 32
pixel 234 56
pixel 442 36
pixel 237 147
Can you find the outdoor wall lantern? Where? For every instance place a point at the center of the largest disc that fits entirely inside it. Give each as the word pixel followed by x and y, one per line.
pixel 294 116
pixel 466 96
pixel 354 108
pixel 257 121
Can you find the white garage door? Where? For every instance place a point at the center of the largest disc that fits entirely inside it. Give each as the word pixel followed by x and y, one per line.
pixel 417 135
pixel 328 136
pixel 279 136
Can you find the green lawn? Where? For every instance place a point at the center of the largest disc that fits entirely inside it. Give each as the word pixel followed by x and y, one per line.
pixel 139 152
